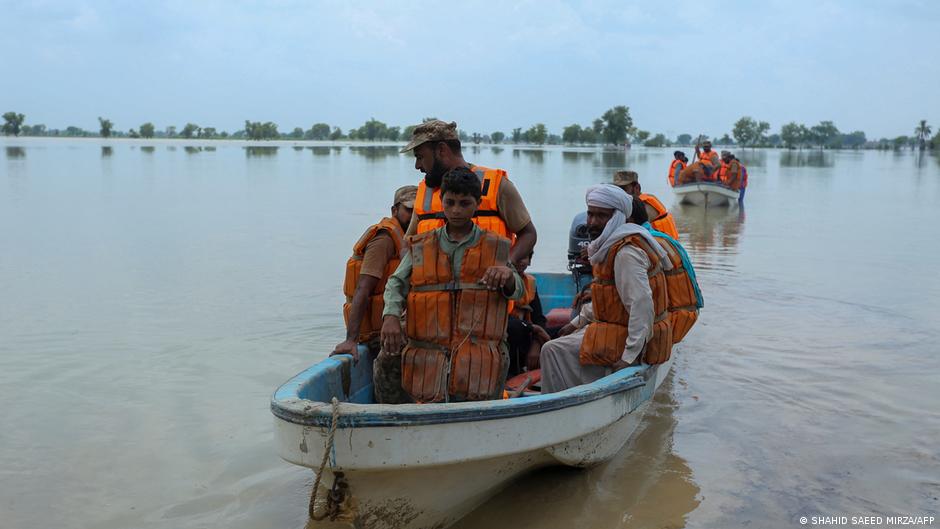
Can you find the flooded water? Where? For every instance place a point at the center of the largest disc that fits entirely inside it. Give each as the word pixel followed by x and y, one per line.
pixel 152 298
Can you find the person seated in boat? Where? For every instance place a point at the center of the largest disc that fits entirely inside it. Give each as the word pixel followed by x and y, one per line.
pixel 436 148
pixel 526 331
pixel 628 322
pixel 675 168
pixel 709 159
pixel 662 220
pixel 457 282
pixel 729 172
pixel 375 256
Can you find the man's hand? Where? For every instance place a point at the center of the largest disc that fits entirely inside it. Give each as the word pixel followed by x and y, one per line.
pixel 540 334
pixel 392 338
pixel 583 297
pixel 349 347
pixel 497 277
pixel 566 330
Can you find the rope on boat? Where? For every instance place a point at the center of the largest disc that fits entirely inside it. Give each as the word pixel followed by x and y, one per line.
pixel 327 449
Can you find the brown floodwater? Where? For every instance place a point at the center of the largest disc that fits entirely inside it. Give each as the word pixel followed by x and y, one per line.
pixel 153 295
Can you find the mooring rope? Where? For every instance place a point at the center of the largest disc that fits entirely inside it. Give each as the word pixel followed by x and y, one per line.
pixel 327 448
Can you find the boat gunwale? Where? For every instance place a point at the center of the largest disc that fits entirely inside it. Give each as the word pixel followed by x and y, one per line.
pixel 287 405
pixel 705 187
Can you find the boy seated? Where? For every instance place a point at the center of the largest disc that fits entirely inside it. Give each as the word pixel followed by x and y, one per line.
pixel 457 283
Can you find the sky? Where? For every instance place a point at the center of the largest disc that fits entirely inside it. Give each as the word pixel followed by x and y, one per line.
pixel 680 66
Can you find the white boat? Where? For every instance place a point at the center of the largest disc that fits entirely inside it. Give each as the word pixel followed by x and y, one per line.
pixel 428 465
pixel 706 194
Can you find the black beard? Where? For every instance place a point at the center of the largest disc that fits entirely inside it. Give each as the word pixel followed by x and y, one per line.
pixel 436 176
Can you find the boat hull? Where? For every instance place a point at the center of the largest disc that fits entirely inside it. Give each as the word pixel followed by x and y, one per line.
pixel 706 194
pixel 420 473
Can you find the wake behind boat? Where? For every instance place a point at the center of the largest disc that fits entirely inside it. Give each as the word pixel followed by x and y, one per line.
pixel 428 465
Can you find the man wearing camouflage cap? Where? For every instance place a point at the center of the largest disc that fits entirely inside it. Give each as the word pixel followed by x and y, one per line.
pixel 436 148
pixel 659 216
pixel 375 257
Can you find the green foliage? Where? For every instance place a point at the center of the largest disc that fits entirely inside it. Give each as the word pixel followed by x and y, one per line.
pixel 571 134
pixel 617 125
pixel 35 130
pixel 745 130
pixel 476 138
pixel 407 133
pixel 72 130
pixel 146 130
pixel 794 135
pixel 900 142
pixel 536 134
pixel 170 131
pixel 297 133
pixel 463 136
pixel 105 127
pixel 12 123
pixel 497 137
pixel 641 136
pixel 255 130
pixel 207 133
pixel 588 135
pixel 824 135
pixel 393 133
pixel 922 132
pixel 684 139
pixel 372 130
pixel 935 141
pixel 658 140
pixel 190 130
pixel 336 134
pixel 319 131
pixel 725 140
pixel 517 135
pixel 598 127
pixel 133 133
pixel 853 140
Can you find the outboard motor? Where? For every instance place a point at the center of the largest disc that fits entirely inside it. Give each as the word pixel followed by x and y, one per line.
pixel 578 238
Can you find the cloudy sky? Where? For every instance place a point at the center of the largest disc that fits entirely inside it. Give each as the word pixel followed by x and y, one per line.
pixel 680 66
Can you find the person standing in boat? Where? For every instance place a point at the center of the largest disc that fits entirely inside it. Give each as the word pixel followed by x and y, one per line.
pixel 457 282
pixel 709 159
pixel 436 148
pixel 629 322
pixel 659 216
pixel 729 173
pixel 743 180
pixel 675 168
pixel 375 256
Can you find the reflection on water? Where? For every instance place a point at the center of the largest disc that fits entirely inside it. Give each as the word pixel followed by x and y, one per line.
pixel 16 152
pixel 578 156
pixel 298 148
pixel 106 151
pixel 497 150
pixel 614 159
pixel 752 157
pixel 532 155
pixel 375 153
pixel 192 150
pixel 809 158
pixel 320 151
pixel 260 151
pixel 646 485
pixel 147 149
pixel 171 148
pixel 710 234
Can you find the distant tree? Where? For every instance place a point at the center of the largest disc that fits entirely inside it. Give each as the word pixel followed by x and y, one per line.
pixel 935 141
pixel 745 131
pixel 425 120
pixel 588 135
pixel 922 132
pixel 170 131
pixel 900 142
pixel 269 130
pixel 146 130
pixel 854 140
pixel 336 134
pixel 407 133
pixel 35 130
pixel 725 140
pixel 320 131
pixel 658 140
pixel 476 137
pixel 571 134
pixel 72 130
pixel 190 130
pixel 824 135
pixel 618 125
pixel 12 123
pixel 497 137
pixel 774 140
pixel 463 136
pixel 517 135
pixel 537 134
pixel 297 133
pixel 598 127
pixel 641 136
pixel 684 139
pixel 105 127
pixel 393 133
pixel 207 132
pixel 133 133
pixel 793 135
pixel 372 130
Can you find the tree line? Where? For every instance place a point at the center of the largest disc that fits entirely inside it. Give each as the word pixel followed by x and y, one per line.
pixel 613 127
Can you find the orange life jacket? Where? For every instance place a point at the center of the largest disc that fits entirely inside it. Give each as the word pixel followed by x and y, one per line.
pixel 711 158
pixel 672 171
pixel 726 176
pixel 371 324
pixel 605 338
pixel 454 324
pixel 430 211
pixel 522 309
pixel 682 303
pixel 663 220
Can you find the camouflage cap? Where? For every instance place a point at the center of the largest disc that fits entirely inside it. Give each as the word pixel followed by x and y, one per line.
pixel 725 153
pixel 622 178
pixel 406 196
pixel 434 130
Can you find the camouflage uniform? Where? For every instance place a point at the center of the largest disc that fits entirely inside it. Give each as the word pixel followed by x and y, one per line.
pixel 386 377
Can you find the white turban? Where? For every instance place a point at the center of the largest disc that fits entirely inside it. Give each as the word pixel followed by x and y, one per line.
pixel 612 197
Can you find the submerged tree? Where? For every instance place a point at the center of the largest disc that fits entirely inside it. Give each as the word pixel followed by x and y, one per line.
pixel 105 127
pixel 922 132
pixel 497 137
pixel 12 123
pixel 617 125
pixel 571 134
pixel 146 130
pixel 190 130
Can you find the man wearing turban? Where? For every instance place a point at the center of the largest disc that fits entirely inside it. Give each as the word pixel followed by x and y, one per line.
pixel 609 209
